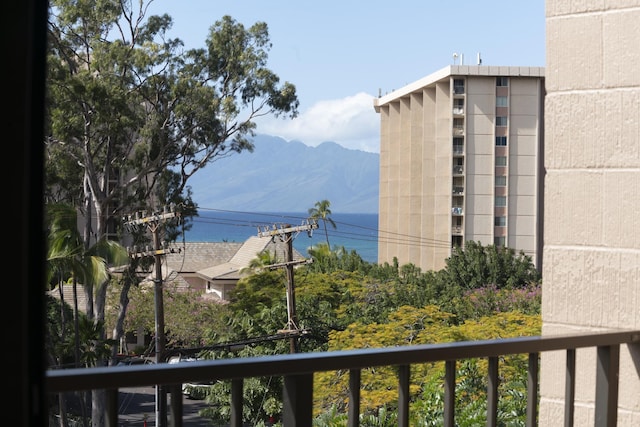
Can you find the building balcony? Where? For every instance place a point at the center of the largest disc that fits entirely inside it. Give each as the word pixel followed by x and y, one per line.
pixel 458 111
pixel 297 371
pixel 458 131
pixel 457 210
pixel 456 230
pixel 458 170
pixel 458 190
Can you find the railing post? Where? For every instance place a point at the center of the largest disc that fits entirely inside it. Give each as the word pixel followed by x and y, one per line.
pixel 449 393
pixel 404 373
pixel 354 398
pixel 492 393
pixel 532 391
pixel 176 406
pixel 297 399
pixel 236 402
pixel 111 413
pixel 570 387
pixel 608 365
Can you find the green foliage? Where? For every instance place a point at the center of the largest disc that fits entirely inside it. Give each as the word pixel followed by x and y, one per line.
pixel 485 301
pixel 410 325
pixel 93 347
pixel 129 100
pixel 60 339
pixel 131 116
pixel 331 418
pixel 471 400
pixel 261 400
pixel 257 291
pixel 382 306
pixel 59 343
pixel 188 316
pixel 476 267
pixel 326 260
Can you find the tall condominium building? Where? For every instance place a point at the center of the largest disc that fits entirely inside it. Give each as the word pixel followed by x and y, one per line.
pixel 461 159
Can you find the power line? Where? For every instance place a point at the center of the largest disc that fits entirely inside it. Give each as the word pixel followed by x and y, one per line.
pixel 381 235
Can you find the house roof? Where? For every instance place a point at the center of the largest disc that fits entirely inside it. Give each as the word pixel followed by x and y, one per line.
pixel 189 257
pixel 248 251
pixel 209 260
pixel 67 294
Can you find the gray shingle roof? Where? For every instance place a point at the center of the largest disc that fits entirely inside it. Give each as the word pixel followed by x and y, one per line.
pixel 190 257
pixel 241 259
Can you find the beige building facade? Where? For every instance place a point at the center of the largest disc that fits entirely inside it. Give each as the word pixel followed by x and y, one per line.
pixel 591 268
pixel 461 159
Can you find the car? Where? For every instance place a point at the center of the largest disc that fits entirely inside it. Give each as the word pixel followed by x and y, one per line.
pixel 194 389
pixel 134 360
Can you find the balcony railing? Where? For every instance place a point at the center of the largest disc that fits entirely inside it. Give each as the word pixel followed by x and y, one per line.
pixel 297 371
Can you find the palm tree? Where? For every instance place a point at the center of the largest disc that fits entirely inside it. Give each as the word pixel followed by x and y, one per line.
pixel 67 258
pixel 321 211
pixel 262 260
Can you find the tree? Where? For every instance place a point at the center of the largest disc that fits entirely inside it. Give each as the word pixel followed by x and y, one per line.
pixel 477 266
pixel 131 115
pixel 322 212
pixel 190 314
pixel 262 261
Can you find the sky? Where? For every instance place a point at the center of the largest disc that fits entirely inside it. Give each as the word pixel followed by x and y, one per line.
pixel 341 55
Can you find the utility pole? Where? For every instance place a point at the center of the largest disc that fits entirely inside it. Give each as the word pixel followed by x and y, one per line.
pixel 153 224
pixel 285 234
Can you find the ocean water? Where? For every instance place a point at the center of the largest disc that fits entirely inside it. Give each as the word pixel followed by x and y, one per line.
pixel 357 232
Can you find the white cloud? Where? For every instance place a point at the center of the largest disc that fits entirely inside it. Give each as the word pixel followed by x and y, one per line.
pixel 351 122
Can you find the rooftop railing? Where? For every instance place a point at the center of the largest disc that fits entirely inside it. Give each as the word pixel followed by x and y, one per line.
pixel 297 371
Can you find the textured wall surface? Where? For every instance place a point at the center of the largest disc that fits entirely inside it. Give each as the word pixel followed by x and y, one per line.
pixel 591 255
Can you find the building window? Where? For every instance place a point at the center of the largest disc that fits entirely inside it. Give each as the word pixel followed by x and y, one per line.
pixel 458 86
pixel 501 121
pixel 501 161
pixel 501 101
pixel 500 221
pixel 502 81
pixel 501 141
pixel 501 181
pixel 458 145
pixel 499 241
pixel 501 201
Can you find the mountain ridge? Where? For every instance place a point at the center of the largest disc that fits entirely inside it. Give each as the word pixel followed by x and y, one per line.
pixel 281 176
